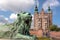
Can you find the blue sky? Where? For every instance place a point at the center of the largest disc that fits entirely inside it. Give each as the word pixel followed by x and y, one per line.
pixel 55 10
pixel 8 9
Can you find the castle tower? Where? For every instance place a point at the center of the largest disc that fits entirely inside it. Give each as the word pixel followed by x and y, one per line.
pixel 42 22
pixel 36 16
pixel 50 16
pixel 41 16
pixel 42 12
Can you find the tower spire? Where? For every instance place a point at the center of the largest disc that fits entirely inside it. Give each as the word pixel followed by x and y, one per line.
pixel 49 10
pixel 36 6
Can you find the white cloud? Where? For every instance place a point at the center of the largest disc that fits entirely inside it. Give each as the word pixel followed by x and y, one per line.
pixel 6 19
pixel 16 5
pixel 13 16
pixel 3 19
pixel 51 3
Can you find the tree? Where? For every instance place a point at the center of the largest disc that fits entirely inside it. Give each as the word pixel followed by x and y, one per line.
pixel 54 28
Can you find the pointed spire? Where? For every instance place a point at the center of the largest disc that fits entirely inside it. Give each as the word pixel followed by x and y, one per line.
pixel 49 10
pixel 36 9
pixel 42 12
pixel 42 9
pixel 36 6
pixel 37 3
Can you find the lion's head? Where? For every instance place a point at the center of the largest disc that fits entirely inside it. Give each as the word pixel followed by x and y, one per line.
pixel 24 20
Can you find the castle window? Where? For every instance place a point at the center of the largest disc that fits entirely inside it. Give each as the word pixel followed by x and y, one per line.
pixel 40 19
pixel 40 22
pixel 40 25
pixel 46 20
pixel 46 25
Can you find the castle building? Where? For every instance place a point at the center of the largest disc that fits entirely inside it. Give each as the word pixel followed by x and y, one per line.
pixel 42 21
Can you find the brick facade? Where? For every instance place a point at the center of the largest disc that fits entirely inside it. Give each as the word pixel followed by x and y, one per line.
pixel 42 22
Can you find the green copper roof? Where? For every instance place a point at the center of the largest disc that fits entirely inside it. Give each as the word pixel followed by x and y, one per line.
pixel 36 9
pixel 49 10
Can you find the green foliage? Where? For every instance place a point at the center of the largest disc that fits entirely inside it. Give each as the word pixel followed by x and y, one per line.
pixel 54 28
pixel 43 38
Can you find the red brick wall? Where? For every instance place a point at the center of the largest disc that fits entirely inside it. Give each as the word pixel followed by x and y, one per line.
pixel 55 34
pixel 38 33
